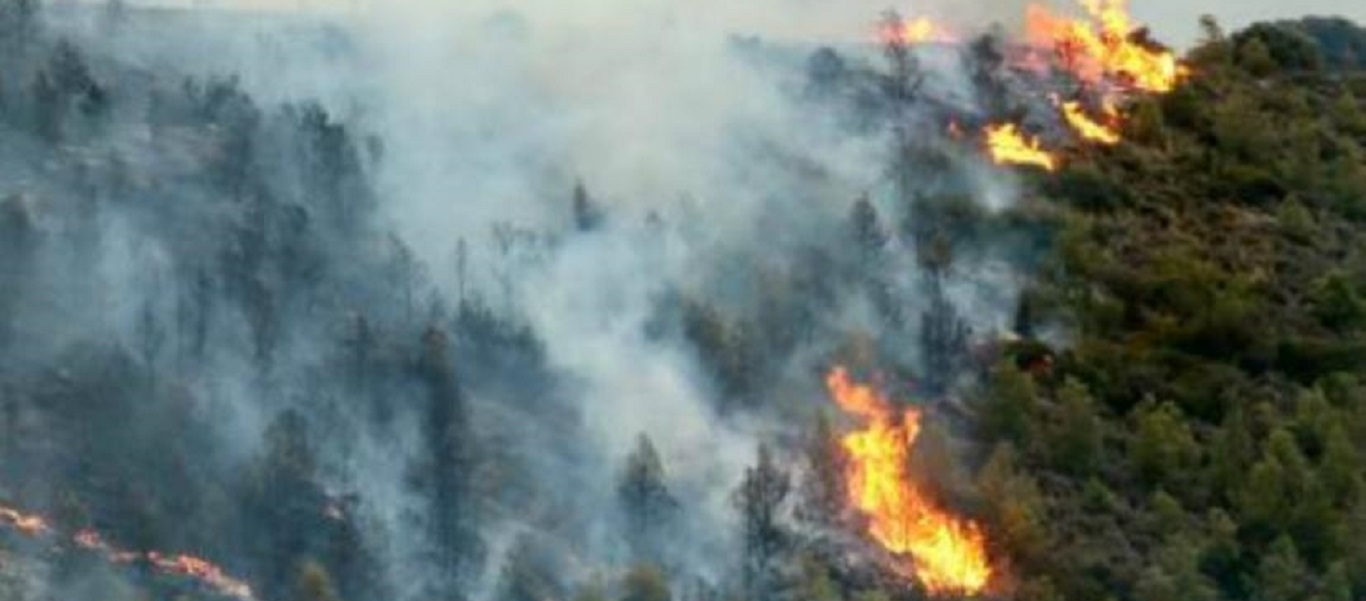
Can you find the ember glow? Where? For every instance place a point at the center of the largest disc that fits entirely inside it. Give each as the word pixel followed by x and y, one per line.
pixel 947 554
pixel 1089 129
pixel 1104 46
pixel 30 525
pixel 202 571
pixel 197 569
pixel 1007 145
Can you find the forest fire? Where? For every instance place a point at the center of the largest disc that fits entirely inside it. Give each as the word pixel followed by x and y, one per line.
pixel 1107 45
pixel 188 566
pixel 947 554
pixel 203 571
pixel 1105 50
pixel 1007 145
pixel 1089 129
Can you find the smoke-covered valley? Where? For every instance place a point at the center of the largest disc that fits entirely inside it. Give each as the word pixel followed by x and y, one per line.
pixel 401 296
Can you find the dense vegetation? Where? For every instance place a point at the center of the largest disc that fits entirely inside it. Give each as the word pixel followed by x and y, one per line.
pixel 1200 437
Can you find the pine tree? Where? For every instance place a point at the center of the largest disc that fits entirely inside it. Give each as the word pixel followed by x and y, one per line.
pixel 587 216
pixel 449 464
pixel 760 499
pixel 645 501
pixel 1076 442
pixel 824 486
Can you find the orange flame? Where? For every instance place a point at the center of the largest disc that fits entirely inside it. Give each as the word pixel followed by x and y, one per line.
pixel 947 554
pixel 1088 128
pixel 90 540
pixel 1009 146
pixel 1104 46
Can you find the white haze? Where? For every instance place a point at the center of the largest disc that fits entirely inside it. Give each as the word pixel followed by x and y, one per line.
pixel 490 112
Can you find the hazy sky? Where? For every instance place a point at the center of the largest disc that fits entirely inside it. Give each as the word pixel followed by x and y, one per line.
pixel 1174 21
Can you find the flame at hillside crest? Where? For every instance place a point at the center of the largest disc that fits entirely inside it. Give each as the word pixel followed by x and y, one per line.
pixel 1105 50
pixel 947 554
pixel 1104 46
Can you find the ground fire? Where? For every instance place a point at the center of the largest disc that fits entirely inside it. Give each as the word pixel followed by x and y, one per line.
pixel 199 570
pixel 947 554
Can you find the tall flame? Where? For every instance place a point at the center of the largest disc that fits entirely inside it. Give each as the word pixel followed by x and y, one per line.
pixel 1007 145
pixel 1088 128
pixel 1104 46
pixel 947 554
pixel 201 570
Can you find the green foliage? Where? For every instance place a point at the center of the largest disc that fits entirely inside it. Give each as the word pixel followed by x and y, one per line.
pixel 1201 437
pixel 1015 506
pixel 645 583
pixel 1010 404
pixel 1338 304
pixel 314 584
pixel 1076 440
pixel 648 506
pixel 1163 448
pixel 1266 47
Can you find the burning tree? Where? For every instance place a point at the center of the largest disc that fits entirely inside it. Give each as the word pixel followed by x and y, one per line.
pixel 945 553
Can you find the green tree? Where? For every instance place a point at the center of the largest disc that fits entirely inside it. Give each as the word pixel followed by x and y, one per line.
pixel 1076 444
pixel 1015 506
pixel 528 573
pixel 823 497
pixel 587 215
pixel 1338 303
pixel 760 499
pixel 1232 450
pixel 443 473
pixel 867 230
pixel 1175 575
pixel 1281 575
pixel 645 583
pixel 645 500
pixel 1340 468
pixel 314 584
pixel 1008 410
pixel 1163 446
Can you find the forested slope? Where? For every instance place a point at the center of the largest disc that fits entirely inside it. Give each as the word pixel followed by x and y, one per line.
pixel 1142 375
pixel 1201 435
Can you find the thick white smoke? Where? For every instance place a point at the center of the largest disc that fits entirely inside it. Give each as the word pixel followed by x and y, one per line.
pixel 693 141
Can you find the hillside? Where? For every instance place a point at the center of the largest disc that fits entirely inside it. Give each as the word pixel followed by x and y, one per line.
pixel 1200 436
pixel 867 327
